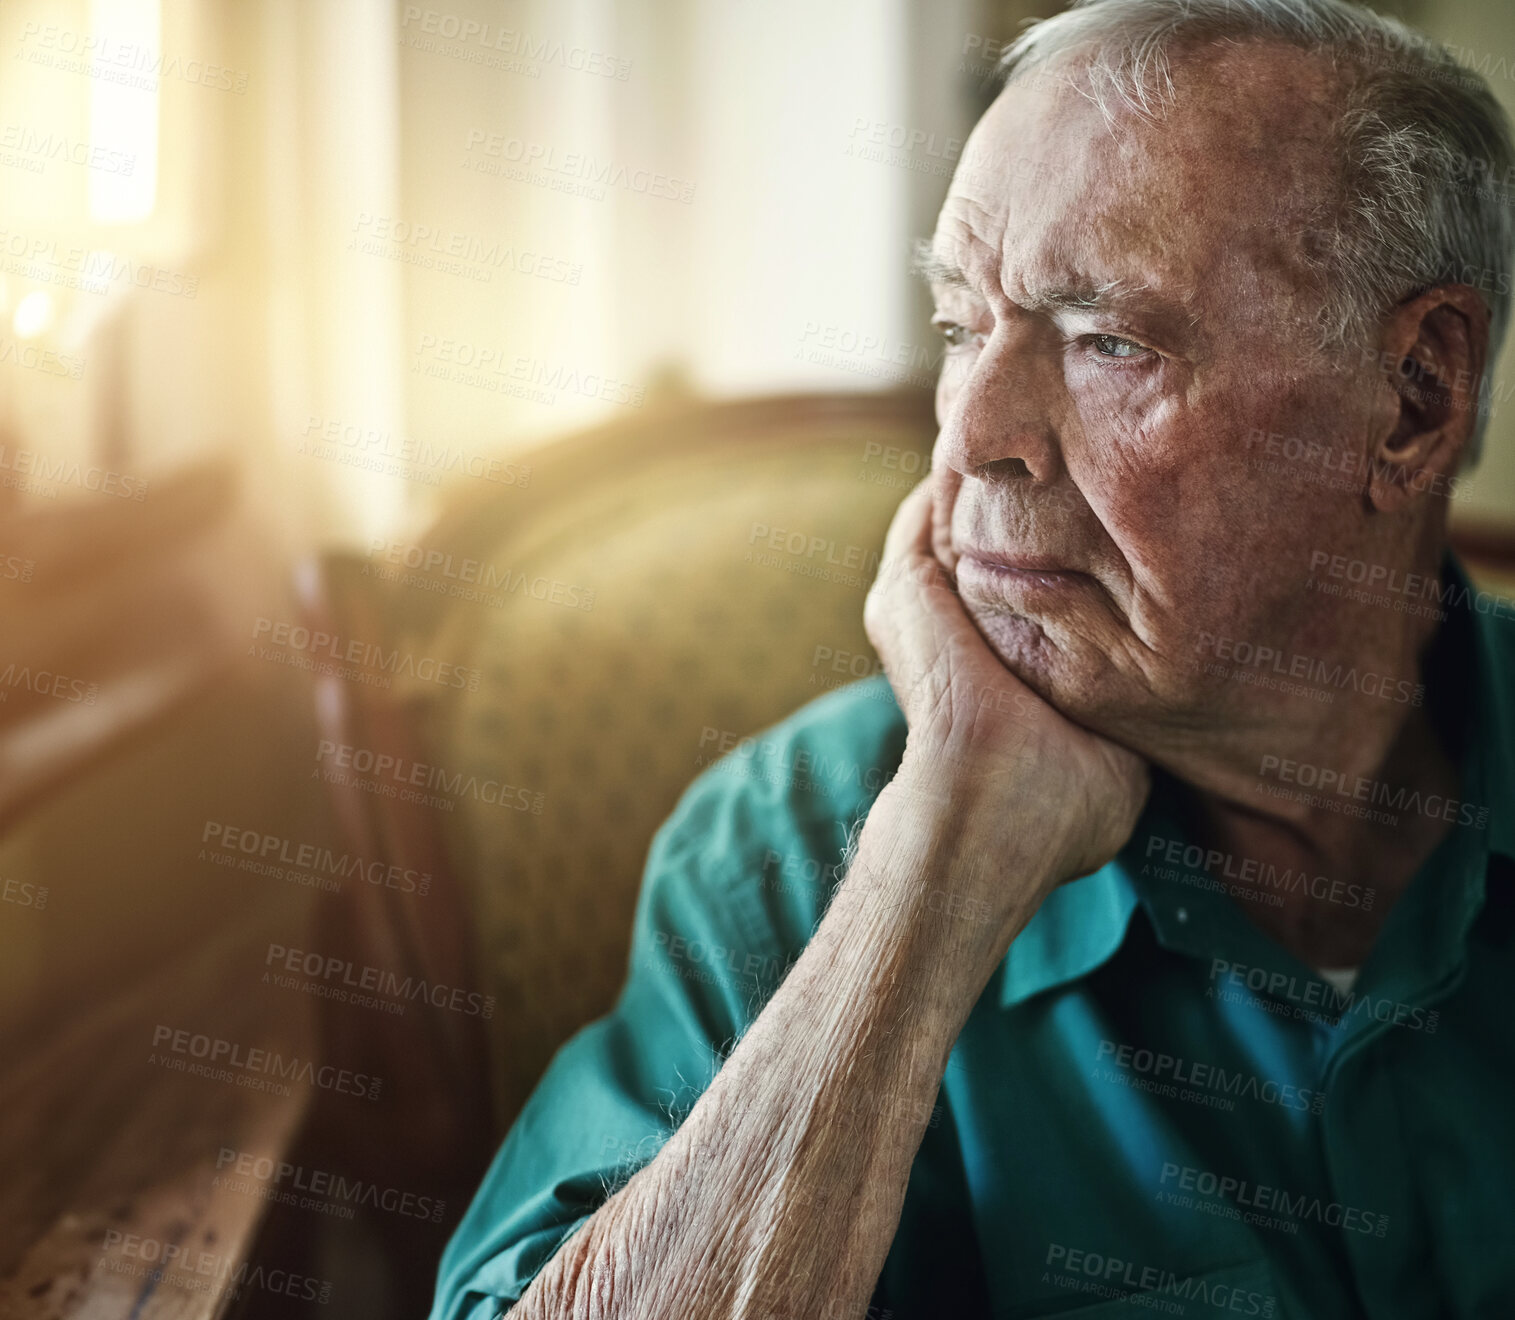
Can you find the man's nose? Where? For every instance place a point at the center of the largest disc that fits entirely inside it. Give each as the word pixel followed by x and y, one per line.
pixel 996 418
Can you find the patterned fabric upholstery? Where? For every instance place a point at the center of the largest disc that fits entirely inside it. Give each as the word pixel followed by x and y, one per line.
pixel 698 632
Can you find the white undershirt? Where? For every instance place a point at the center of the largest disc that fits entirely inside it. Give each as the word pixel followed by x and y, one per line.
pixel 1341 979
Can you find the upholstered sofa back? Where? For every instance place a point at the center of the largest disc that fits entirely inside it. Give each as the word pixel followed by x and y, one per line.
pixel 655 591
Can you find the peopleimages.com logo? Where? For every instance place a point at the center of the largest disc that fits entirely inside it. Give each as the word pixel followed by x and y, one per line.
pixel 1417 594
pixel 1111 1276
pixel 1177 1071
pixel 1325 782
pixel 352 657
pixel 286 1183
pixel 1265 876
pixel 274 853
pixel 254 1067
pixel 1242 660
pixel 376 981
pixel 230 1275
pixel 1262 1205
pixel 1313 1000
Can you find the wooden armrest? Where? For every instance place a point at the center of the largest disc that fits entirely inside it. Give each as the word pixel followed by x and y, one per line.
pixel 110 1136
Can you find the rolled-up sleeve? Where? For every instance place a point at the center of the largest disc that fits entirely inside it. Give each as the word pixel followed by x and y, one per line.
pixel 708 949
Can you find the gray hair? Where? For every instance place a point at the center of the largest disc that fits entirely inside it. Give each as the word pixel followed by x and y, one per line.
pixel 1427 170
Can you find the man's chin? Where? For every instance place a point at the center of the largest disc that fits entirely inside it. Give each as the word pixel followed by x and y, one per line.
pixel 1072 677
pixel 1021 643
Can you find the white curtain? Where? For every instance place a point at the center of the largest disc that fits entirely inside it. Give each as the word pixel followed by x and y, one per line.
pixel 419 237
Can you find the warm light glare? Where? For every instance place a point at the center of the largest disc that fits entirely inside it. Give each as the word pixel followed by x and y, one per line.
pixel 34 313
pixel 123 116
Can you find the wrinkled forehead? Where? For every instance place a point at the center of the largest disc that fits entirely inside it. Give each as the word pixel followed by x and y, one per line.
pixel 1213 198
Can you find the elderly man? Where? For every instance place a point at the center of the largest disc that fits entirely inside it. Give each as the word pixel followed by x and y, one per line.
pixel 1171 967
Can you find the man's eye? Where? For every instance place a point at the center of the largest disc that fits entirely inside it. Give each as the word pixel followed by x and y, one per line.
pixel 1116 347
pixel 955 334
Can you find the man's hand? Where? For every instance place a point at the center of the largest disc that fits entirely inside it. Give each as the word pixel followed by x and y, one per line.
pixel 1018 778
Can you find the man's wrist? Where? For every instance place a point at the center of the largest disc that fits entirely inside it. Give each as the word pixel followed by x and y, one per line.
pixel 942 902
pixel 974 831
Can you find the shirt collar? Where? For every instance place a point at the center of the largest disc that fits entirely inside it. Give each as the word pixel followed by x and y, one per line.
pixel 1490 768
pixel 1083 923
pixel 1079 926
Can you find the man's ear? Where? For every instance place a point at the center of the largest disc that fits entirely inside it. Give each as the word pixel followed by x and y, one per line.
pixel 1432 352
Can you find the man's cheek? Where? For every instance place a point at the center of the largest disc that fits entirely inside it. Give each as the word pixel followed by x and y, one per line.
pixel 945 484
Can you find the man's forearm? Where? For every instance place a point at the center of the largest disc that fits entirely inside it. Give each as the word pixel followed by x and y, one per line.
pixel 781 1192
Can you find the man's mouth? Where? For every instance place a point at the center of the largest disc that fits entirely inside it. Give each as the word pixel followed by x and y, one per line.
pixel 977 569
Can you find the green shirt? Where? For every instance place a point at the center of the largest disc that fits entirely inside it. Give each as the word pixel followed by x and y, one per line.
pixel 1153 1108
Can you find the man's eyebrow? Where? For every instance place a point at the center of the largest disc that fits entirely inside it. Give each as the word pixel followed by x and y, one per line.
pixel 1097 297
pixel 925 264
pixel 1117 296
pixel 1080 295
